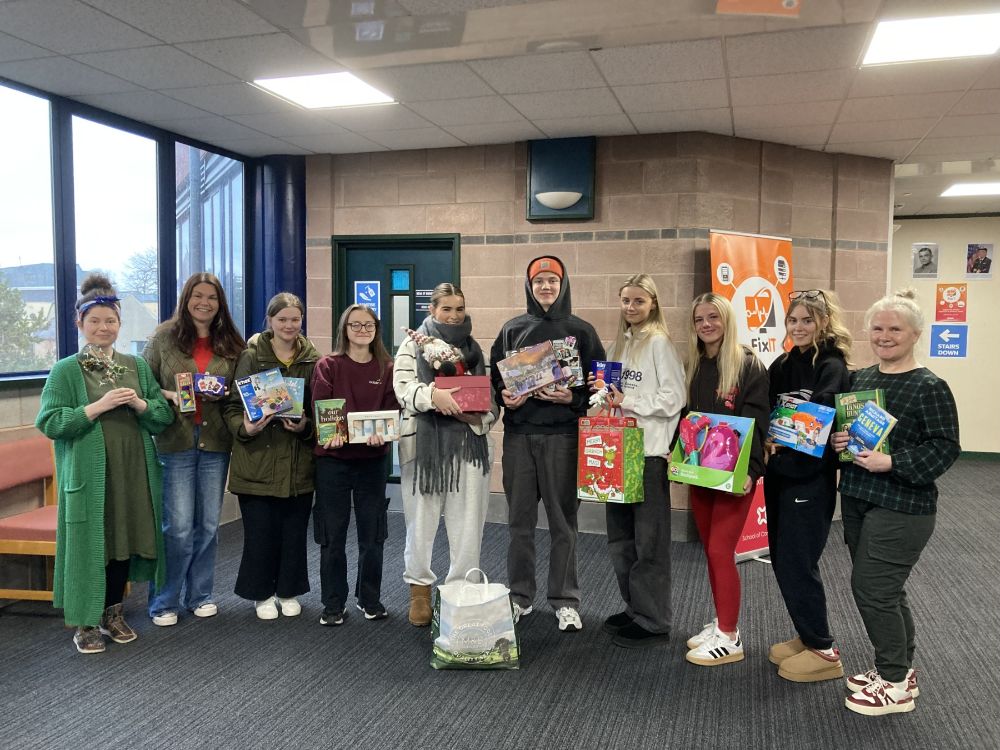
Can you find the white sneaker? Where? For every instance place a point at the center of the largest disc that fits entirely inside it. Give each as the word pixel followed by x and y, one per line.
pixel 165 619
pixel 696 640
pixel 520 612
pixel 290 607
pixel 569 619
pixel 859 682
pixel 267 609
pixel 206 609
pixel 881 697
pixel 717 649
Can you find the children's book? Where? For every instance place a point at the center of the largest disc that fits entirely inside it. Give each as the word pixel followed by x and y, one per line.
pixel 606 373
pixel 530 369
pixel 870 428
pixel 185 392
pixel 848 405
pixel 297 390
pixel 264 393
pixel 330 419
pixel 801 425
pixel 361 425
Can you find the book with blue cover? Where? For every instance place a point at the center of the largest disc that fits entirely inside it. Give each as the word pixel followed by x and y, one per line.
pixel 869 429
pixel 801 425
pixel 848 405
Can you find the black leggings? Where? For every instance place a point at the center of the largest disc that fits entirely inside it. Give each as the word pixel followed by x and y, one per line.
pixel 115 578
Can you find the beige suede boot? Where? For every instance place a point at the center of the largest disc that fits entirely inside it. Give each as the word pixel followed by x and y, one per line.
pixel 420 605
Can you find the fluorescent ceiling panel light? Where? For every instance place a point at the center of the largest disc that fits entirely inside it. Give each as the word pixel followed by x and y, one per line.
pixel 972 188
pixel 324 91
pixel 934 38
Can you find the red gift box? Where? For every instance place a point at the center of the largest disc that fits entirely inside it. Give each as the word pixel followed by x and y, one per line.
pixel 474 395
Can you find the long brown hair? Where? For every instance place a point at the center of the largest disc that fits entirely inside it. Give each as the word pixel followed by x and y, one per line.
pixel 223 334
pixel 824 308
pixel 376 347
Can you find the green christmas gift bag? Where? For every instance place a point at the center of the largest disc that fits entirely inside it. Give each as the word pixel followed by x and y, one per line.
pixel 610 460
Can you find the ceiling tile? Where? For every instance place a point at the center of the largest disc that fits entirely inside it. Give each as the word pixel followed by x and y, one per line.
pixel 827 48
pixel 483 109
pixel 230 99
pixel 264 56
pixel 709 120
pixel 501 132
pixel 415 83
pixel 12 48
pixel 530 73
pixel 60 75
pixel 291 123
pixel 953 146
pixel 967 125
pixel 376 117
pixel 917 77
pixel 978 102
pixel 804 113
pixel 415 138
pixel 262 145
pixel 567 127
pixel 578 103
pixel 883 149
pixel 181 21
pixel 145 106
pixel 160 67
pixel 902 107
pixel 667 97
pixel 337 141
pixel 822 85
pixel 859 132
pixel 661 63
pixel 209 129
pixel 68 26
pixel 796 135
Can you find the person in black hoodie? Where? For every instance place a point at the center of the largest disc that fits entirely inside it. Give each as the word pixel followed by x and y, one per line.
pixel 540 443
pixel 801 490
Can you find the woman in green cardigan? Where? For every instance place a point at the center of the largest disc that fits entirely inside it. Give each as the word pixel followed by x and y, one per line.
pixel 102 407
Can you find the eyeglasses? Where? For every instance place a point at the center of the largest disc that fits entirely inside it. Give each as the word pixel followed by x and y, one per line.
pixel 808 294
pixel 361 327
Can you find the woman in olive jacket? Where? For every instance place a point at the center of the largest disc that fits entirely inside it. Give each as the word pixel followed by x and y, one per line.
pixel 272 468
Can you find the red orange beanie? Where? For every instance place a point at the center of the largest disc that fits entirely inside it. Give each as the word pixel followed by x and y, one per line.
pixel 548 263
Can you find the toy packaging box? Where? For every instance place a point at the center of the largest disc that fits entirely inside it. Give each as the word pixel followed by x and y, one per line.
pixel 606 373
pixel 330 419
pixel 264 393
pixel 848 405
pixel 212 385
pixel 610 460
pixel 361 425
pixel 801 425
pixel 530 369
pixel 297 390
pixel 568 358
pixel 184 383
pixel 474 395
pixel 713 451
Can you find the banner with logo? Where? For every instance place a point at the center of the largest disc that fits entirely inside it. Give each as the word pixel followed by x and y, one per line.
pixel 753 539
pixel 755 273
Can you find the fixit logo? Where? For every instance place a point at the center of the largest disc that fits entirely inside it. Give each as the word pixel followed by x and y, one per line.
pixel 759 303
pixel 760 309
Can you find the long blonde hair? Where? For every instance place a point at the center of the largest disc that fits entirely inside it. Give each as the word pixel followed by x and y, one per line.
pixel 654 325
pixel 830 329
pixel 731 352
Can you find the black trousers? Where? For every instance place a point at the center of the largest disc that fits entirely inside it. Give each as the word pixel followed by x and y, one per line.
pixel 799 513
pixel 339 484
pixel 115 579
pixel 274 546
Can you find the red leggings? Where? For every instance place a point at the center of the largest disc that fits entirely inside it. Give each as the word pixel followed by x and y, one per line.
pixel 720 517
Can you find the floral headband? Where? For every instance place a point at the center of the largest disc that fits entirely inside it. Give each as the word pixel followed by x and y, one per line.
pixel 108 300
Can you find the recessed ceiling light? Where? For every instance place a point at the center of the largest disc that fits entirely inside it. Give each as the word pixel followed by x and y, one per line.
pixel 934 38
pixel 972 188
pixel 324 91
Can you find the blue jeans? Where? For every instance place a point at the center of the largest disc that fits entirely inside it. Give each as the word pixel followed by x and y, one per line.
pixel 193 484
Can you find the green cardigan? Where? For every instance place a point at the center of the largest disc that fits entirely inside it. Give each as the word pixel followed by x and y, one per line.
pixel 80 469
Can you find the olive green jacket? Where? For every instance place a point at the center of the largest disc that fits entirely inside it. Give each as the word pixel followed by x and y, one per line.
pixel 166 360
pixel 275 462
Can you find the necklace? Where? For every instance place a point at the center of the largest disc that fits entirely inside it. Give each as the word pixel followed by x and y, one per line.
pixel 93 359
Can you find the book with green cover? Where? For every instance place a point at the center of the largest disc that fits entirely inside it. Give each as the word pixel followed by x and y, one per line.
pixel 330 419
pixel 848 405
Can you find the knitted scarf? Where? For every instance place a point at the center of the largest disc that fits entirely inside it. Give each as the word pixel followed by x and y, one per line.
pixel 445 443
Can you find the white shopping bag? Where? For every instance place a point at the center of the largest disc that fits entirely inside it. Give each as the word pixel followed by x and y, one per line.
pixel 473 626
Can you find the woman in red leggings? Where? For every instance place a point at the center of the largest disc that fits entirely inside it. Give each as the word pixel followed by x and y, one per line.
pixel 724 377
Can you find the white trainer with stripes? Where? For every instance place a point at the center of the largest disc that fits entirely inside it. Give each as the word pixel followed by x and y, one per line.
pixel 717 649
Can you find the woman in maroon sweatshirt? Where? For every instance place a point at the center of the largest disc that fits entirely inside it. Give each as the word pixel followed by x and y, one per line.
pixel 359 370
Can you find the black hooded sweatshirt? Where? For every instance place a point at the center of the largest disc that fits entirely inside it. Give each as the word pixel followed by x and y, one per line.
pixel 536 416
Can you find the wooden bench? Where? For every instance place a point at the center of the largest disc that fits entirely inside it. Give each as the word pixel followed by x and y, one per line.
pixel 32 532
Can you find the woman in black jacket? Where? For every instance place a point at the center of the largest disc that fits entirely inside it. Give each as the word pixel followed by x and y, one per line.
pixel 800 491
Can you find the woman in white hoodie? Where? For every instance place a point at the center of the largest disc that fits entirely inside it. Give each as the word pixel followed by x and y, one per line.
pixel 654 392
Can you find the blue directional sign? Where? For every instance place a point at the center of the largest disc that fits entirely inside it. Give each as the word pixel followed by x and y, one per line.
pixel 369 293
pixel 949 340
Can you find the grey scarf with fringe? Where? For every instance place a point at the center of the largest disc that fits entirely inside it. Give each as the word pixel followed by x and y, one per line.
pixel 444 444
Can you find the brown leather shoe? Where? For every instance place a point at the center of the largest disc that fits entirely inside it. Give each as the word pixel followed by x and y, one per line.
pixel 114 626
pixel 420 605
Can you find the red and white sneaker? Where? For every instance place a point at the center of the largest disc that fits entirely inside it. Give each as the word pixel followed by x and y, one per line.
pixel 861 681
pixel 881 697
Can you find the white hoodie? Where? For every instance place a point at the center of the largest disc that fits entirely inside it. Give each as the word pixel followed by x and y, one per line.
pixel 654 388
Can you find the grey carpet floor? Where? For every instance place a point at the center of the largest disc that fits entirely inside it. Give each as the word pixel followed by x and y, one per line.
pixel 235 682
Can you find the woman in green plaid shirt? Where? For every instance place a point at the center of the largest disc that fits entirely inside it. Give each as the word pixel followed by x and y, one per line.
pixel 889 500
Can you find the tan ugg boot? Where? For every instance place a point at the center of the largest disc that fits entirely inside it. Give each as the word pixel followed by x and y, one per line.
pixel 420 605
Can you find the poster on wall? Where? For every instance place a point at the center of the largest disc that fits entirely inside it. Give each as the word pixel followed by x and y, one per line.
pixel 979 261
pixel 951 303
pixel 369 294
pixel 755 273
pixel 925 260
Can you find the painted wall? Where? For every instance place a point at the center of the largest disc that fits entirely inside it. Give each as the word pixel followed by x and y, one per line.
pixel 975 380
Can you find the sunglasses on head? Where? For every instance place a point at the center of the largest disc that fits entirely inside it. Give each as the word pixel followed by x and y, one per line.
pixel 808 294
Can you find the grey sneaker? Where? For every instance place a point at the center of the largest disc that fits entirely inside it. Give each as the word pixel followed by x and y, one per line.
pixel 114 626
pixel 569 620
pixel 88 640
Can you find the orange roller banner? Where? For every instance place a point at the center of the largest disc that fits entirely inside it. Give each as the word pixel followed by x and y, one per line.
pixel 755 273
